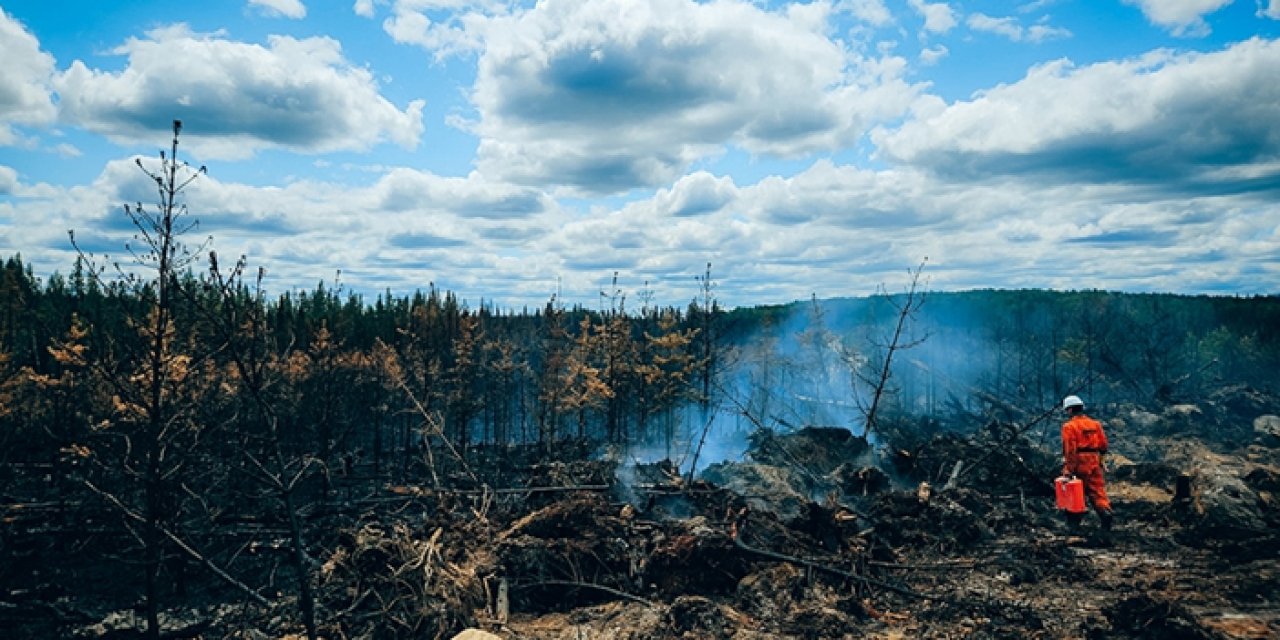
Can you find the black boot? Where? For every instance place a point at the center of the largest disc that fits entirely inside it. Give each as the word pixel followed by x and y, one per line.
pixel 1073 522
pixel 1103 538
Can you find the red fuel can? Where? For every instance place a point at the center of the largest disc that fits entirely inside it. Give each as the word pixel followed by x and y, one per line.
pixel 1070 493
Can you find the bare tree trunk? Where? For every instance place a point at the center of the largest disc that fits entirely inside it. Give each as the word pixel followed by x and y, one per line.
pixel 912 302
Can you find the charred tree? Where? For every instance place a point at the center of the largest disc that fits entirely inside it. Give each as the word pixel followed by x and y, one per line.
pixel 150 375
pixel 906 309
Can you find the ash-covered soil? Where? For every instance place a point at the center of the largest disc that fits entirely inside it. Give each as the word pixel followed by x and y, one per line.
pixel 813 534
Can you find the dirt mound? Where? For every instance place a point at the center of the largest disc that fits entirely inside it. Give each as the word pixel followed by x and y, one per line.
pixel 778 490
pixel 816 451
pixel 998 458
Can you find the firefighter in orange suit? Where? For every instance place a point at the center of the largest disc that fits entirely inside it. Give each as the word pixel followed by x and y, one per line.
pixel 1083 445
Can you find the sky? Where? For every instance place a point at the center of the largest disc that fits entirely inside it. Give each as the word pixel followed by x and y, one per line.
pixel 512 151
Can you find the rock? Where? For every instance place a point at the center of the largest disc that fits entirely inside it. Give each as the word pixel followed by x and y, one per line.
pixel 1229 507
pixel 1182 417
pixel 1156 474
pixel 476 634
pixel 1143 420
pixel 1268 428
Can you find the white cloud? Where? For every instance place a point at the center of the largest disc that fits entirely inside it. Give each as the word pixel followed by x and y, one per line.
pixel 444 27
pixel 288 8
pixel 872 12
pixel 236 98
pixel 8 180
pixel 363 8
pixel 1036 5
pixel 939 17
pixel 1272 11
pixel 470 197
pixel 25 97
pixel 1010 28
pixel 607 95
pixel 1007 27
pixel 1154 117
pixel 1042 32
pixel 779 239
pixel 931 55
pixel 1181 17
pixel 696 194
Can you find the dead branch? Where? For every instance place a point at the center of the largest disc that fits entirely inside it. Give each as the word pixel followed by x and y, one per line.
pixel 182 544
pixel 434 429
pixel 586 585
pixel 932 566
pixel 826 567
pixel 413 492
pixel 912 302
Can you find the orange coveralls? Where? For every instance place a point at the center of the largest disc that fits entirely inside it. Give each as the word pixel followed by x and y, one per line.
pixel 1083 443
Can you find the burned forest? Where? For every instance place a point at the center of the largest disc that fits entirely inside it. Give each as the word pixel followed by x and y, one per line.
pixel 321 466
pixel 183 456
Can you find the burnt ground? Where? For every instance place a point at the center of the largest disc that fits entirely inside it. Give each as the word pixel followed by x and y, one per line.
pixel 814 534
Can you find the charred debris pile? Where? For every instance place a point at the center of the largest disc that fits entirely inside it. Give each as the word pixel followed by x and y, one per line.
pixel 813 533
pixel 817 534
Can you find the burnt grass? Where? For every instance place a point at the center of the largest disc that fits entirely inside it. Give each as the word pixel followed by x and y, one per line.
pixel 815 534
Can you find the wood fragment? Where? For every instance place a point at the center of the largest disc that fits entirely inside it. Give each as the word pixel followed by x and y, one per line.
pixel 826 567
pixel 585 585
pixel 188 549
pixel 504 601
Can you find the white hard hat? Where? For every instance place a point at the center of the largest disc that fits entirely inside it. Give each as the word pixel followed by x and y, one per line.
pixel 1072 401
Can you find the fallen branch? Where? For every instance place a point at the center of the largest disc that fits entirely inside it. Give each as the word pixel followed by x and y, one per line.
pixel 585 585
pixel 818 566
pixel 182 544
pixel 405 490
pixel 935 566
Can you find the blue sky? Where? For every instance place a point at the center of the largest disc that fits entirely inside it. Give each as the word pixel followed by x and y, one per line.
pixel 509 150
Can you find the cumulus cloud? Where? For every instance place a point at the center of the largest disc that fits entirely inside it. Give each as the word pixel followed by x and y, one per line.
pixel 363 8
pixel 25 90
pixel 939 17
pixel 695 194
pixel 236 98
pixel 287 8
pixel 1271 11
pixel 779 239
pixel 1212 120
pixel 444 27
pixel 1010 28
pixel 606 95
pixel 1181 17
pixel 471 197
